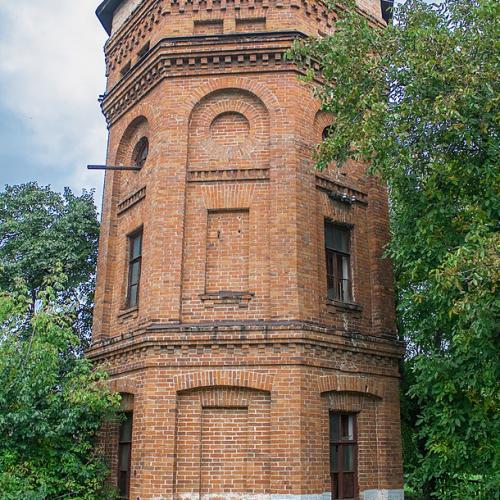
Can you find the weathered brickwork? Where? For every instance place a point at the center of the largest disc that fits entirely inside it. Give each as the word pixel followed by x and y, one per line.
pixel 234 356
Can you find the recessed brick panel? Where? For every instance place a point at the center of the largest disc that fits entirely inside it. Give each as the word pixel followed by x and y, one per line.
pixel 227 251
pixel 223 442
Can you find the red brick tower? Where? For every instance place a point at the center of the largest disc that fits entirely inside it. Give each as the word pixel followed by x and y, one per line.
pixel 243 306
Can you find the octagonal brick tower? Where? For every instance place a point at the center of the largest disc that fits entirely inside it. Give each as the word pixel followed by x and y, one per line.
pixel 243 305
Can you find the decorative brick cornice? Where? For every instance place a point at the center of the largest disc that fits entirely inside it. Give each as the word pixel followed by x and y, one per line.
pixel 151 13
pixel 242 333
pixel 188 56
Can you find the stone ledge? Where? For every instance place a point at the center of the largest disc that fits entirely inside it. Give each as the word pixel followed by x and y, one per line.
pixel 383 495
pixel 241 299
pixel 347 306
pixel 128 312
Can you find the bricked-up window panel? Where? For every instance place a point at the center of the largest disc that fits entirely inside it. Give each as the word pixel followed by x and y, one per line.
pixel 343 455
pixel 251 25
pixel 209 27
pixel 227 251
pixel 224 459
pixel 134 267
pixel 124 456
pixel 338 261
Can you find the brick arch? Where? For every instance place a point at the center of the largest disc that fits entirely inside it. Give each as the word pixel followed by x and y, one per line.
pixel 322 119
pixel 216 108
pixel 223 378
pixel 245 150
pixel 351 383
pixel 263 93
pixel 228 197
pixel 138 126
pixel 124 385
pixel 126 182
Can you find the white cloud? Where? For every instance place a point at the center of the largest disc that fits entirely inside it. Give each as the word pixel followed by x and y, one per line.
pixel 51 72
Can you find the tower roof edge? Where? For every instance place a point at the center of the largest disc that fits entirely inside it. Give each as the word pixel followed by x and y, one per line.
pixel 105 13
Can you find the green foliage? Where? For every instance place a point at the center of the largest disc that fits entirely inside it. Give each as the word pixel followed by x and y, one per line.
pixel 41 231
pixel 51 405
pixel 419 101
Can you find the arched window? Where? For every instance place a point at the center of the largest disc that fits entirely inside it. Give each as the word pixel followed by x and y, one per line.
pixel 141 151
pixel 326 132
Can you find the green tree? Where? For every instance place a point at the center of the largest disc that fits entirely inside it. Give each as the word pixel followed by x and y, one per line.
pixel 41 230
pixel 51 405
pixel 419 102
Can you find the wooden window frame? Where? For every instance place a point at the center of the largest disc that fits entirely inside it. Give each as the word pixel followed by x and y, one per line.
pixel 121 444
pixel 341 444
pixel 342 286
pixel 131 238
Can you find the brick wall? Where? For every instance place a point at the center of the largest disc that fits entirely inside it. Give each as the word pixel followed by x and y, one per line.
pixel 234 356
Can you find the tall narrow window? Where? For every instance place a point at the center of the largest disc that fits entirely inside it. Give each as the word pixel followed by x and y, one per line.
pixel 343 455
pixel 338 262
pixel 124 455
pixel 134 268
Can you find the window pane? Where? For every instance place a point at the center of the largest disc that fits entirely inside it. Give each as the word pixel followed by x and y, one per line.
pixel 126 428
pixel 346 286
pixel 132 300
pixel 341 239
pixel 134 273
pixel 329 262
pixel 347 428
pixel 334 427
pixel 123 484
pixel 335 486
pixel 348 485
pixel 329 238
pixel 345 267
pixel 334 458
pixel 124 457
pixel 136 247
pixel 143 153
pixel 348 465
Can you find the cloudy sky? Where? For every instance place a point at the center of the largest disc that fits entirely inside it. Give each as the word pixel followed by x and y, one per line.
pixel 51 73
